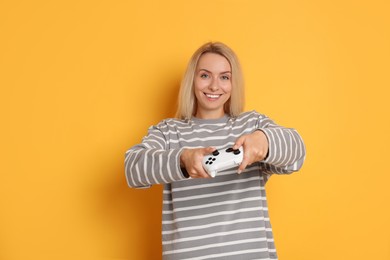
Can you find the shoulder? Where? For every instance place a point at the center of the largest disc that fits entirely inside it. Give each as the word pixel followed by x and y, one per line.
pixel 250 119
pixel 249 115
pixel 170 123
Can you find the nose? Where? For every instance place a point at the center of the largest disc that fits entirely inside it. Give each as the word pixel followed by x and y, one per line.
pixel 214 85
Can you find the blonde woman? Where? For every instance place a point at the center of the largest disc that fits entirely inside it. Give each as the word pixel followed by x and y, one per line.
pixel 225 217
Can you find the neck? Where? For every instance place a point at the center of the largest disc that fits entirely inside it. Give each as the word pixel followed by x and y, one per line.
pixel 210 114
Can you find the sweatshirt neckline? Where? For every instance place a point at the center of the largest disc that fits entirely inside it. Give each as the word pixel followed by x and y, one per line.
pixel 223 119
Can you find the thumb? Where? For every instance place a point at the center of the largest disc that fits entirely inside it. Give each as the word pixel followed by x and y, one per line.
pixel 208 150
pixel 239 142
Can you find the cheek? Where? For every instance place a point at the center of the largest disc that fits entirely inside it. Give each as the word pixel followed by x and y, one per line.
pixel 197 91
pixel 199 85
pixel 227 87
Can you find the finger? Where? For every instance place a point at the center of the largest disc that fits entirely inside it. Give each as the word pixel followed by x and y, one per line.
pixel 239 142
pixel 202 170
pixel 197 175
pixel 208 150
pixel 246 160
pixel 202 173
pixel 243 165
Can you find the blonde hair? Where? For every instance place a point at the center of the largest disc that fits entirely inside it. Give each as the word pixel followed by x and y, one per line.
pixel 187 102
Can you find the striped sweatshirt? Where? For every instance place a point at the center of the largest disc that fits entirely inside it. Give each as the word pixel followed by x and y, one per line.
pixel 225 217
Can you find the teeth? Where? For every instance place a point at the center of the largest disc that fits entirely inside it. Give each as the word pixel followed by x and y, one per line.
pixel 212 96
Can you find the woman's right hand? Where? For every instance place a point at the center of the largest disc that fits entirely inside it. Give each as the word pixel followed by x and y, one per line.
pixel 191 160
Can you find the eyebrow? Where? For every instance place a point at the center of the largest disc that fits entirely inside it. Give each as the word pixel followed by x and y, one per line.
pixel 219 73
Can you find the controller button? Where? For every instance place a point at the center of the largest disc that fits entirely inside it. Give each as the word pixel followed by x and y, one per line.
pixel 229 150
pixel 236 151
pixel 215 153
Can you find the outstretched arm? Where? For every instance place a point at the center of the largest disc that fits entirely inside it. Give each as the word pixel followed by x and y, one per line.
pixel 151 162
pixel 280 149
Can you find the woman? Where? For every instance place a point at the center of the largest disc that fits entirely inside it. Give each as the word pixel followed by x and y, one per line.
pixel 225 217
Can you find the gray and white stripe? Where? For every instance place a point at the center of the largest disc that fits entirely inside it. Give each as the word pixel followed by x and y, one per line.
pixel 225 217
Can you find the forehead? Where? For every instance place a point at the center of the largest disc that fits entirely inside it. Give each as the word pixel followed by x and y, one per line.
pixel 213 62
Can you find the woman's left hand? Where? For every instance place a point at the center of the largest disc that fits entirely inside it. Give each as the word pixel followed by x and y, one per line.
pixel 255 147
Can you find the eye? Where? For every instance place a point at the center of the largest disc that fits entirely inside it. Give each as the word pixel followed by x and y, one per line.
pixel 225 77
pixel 204 76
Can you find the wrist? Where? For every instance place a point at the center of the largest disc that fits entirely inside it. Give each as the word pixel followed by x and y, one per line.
pixel 265 142
pixel 182 155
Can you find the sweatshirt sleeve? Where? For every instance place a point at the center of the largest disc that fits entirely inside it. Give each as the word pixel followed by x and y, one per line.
pixel 151 162
pixel 286 151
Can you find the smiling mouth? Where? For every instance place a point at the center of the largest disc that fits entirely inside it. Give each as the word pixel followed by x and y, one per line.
pixel 212 96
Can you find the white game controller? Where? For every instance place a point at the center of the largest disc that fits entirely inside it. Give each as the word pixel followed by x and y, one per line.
pixel 221 160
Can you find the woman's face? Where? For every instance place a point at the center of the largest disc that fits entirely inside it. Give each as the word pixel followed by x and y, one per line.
pixel 212 85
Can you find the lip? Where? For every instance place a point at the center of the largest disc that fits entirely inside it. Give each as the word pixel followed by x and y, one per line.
pixel 212 96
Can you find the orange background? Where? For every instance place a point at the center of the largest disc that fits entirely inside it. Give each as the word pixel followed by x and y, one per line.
pixel 81 81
